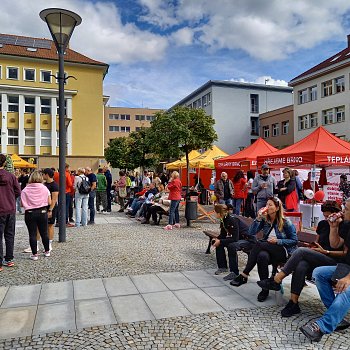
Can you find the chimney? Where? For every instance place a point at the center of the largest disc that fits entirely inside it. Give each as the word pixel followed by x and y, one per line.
pixel 348 36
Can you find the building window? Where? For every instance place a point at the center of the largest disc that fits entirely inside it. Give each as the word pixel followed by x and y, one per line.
pixel 266 131
pixel 285 127
pixel 58 139
pixel 125 117
pixel 113 116
pixel 254 103
pixel 340 114
pixel 327 88
pixel 275 129
pixel 45 76
pixel 45 105
pixel 29 74
pixel 125 128
pixel 58 107
pixel 254 123
pixel 113 128
pixel 149 117
pixel 302 96
pixel 339 84
pixel 139 117
pixel 313 120
pixel 313 93
pixel 303 122
pixel 204 101
pixel 138 128
pixel 12 73
pixel 29 105
pixel 327 116
pixel 29 137
pixel 45 138
pixel 12 137
pixel 13 103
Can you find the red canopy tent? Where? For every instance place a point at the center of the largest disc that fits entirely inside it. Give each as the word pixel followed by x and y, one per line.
pixel 319 148
pixel 245 159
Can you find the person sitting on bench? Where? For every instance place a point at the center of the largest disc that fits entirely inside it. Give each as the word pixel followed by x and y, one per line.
pixel 304 260
pixel 279 240
pixel 233 236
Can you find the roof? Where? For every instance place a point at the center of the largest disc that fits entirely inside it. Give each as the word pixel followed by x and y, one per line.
pixel 232 84
pixel 250 153
pixel 336 61
pixel 319 148
pixel 16 45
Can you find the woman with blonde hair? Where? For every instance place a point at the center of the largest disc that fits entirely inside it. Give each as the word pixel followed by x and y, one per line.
pixel 174 187
pixel 35 199
pixel 279 241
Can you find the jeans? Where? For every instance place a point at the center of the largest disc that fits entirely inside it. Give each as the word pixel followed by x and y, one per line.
pixel 18 204
pixel 36 219
pixel 7 230
pixel 68 203
pixel 91 203
pixel 237 202
pixel 135 206
pixel 174 217
pixel 232 249
pixel 337 306
pixel 225 201
pixel 263 254
pixel 81 208
pixel 302 262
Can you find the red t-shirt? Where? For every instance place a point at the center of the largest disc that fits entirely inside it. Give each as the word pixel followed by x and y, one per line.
pixel 175 188
pixel 240 189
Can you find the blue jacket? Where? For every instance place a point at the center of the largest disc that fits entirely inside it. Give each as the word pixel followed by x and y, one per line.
pixel 287 237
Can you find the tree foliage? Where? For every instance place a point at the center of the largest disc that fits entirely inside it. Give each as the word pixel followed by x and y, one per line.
pixel 116 153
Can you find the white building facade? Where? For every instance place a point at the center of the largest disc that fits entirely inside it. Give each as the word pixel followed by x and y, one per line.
pixel 236 107
pixel 322 97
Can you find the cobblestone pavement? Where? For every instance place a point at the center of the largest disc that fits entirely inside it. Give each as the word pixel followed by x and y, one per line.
pixel 131 248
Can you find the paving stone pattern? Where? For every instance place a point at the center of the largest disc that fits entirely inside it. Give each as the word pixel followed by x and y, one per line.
pixel 121 256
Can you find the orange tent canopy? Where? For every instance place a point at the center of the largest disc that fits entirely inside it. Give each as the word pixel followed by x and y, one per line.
pixel 258 148
pixel 319 148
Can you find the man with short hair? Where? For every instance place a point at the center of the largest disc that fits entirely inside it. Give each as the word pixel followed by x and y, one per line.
pixel 92 195
pixel 145 179
pixel 337 301
pixel 263 186
pixel 109 187
pixel 9 191
pixel 101 194
pixel 224 190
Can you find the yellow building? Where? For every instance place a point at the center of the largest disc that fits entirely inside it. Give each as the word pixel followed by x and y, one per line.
pixel 29 100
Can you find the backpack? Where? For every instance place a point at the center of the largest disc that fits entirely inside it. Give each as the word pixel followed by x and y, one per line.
pixel 84 187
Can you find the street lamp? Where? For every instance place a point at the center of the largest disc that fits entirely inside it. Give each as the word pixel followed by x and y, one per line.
pixel 61 24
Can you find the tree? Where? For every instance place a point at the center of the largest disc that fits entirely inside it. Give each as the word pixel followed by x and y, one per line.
pixel 180 130
pixel 117 153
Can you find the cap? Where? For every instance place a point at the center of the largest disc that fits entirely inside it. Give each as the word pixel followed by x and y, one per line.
pixel 49 172
pixel 265 166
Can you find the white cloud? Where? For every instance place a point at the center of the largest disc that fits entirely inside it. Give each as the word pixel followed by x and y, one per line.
pixel 159 12
pixel 268 80
pixel 266 30
pixel 183 36
pixel 101 36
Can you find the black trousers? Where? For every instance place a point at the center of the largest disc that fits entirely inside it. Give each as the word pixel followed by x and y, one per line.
pixel 7 231
pixel 153 211
pixel 249 210
pixel 263 254
pixel 302 262
pixel 36 219
pixel 232 249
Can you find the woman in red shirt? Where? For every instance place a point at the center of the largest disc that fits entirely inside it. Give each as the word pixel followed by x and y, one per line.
pixel 239 184
pixel 174 187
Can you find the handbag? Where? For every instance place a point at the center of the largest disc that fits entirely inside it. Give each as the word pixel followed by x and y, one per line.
pixel 122 192
pixel 341 271
pixel 292 201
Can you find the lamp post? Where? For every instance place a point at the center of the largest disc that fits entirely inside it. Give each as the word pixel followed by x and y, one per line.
pixel 61 24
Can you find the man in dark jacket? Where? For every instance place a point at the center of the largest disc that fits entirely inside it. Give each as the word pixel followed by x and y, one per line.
pixel 9 191
pixel 109 188
pixel 224 190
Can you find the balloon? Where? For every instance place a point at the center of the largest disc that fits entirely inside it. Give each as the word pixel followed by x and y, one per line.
pixel 213 198
pixel 309 194
pixel 319 196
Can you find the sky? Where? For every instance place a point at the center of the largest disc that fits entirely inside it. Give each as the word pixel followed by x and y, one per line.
pixel 159 51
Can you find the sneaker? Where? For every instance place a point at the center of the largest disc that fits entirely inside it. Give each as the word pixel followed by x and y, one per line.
pixel 177 226
pixel 27 250
pixel 312 331
pixel 262 296
pixel 290 309
pixel 50 247
pixel 9 263
pixel 121 211
pixel 70 225
pixel 71 220
pixel 220 271
pixel 91 223
pixel 230 276
pixel 269 284
pixel 168 228
pixel 238 281
pixel 47 254
pixel 342 325
pixel 34 257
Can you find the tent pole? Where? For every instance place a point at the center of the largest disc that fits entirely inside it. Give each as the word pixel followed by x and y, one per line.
pixel 313 200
